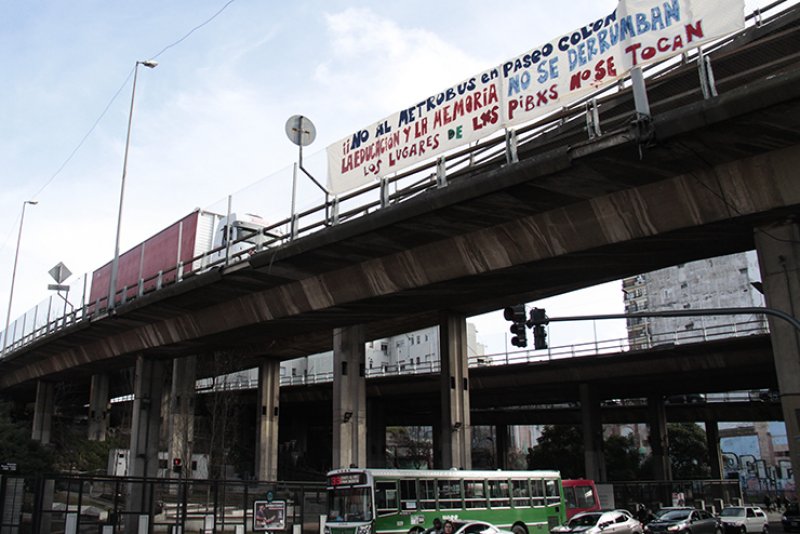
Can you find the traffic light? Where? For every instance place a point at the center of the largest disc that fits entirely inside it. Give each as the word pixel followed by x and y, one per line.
pixel 516 314
pixel 177 464
pixel 538 320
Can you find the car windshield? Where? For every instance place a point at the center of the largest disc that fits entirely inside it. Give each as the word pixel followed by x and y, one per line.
pixel 732 512
pixel 675 515
pixel 793 508
pixel 584 520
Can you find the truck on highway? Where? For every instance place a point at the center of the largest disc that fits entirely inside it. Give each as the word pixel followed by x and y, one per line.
pixel 195 243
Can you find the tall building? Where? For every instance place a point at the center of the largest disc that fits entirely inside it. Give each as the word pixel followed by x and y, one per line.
pixel 723 282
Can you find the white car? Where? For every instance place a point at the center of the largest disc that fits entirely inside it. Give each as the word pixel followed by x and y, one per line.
pixel 744 520
pixel 608 522
pixel 476 527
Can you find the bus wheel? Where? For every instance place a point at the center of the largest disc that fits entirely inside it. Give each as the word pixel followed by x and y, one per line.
pixel 519 528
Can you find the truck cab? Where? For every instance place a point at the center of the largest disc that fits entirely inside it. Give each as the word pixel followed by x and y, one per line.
pixel 239 234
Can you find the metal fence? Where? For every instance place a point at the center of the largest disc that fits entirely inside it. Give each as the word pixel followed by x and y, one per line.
pixel 110 505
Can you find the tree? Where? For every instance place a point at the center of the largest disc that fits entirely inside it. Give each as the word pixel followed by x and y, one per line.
pixel 622 458
pixel 561 448
pixel 688 451
pixel 17 447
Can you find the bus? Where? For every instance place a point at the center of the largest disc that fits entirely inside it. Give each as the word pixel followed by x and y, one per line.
pixel 406 501
pixel 580 495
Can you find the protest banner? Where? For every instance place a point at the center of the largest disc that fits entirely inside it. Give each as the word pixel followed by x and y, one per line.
pixel 526 87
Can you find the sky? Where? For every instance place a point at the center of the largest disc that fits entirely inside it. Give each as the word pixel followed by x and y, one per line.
pixel 209 120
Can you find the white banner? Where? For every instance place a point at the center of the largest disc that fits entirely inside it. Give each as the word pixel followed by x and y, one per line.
pixel 452 118
pixel 638 33
pixel 531 85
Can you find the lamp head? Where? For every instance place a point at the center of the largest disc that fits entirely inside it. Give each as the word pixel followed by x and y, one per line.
pixel 32 202
pixel 149 63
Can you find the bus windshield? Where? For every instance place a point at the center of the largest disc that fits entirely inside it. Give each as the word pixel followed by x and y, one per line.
pixel 349 504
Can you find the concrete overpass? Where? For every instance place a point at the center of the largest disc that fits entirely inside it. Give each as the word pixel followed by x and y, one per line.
pixel 703 177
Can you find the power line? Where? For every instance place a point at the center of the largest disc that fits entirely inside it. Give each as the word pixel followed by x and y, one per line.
pixel 116 95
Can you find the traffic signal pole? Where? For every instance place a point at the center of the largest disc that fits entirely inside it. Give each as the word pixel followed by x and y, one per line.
pixel 674 313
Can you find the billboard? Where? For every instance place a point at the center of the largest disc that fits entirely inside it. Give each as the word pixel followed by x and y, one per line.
pixel 535 83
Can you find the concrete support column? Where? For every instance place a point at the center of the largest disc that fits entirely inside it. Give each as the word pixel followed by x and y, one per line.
pixel 145 428
pixel 180 416
pixel 269 381
pixel 376 434
pixel 778 248
pixel 659 441
pixel 98 408
pixel 592 428
pixel 43 412
pixel 349 397
pixel 456 429
pixel 501 439
pixel 714 450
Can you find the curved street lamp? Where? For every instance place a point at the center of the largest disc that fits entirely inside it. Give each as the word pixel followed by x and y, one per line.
pixel 14 272
pixel 112 285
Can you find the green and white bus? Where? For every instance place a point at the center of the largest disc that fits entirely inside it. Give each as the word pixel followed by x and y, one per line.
pixel 405 501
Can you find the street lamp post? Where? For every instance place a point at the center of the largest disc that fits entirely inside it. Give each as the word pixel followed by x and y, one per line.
pixel 14 272
pixel 112 285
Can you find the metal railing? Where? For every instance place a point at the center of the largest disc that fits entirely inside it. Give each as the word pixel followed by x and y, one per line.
pixel 48 317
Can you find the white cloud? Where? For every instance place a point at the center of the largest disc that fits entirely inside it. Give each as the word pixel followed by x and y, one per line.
pixel 375 65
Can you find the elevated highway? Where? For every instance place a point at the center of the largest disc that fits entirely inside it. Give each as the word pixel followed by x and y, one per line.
pixel 693 183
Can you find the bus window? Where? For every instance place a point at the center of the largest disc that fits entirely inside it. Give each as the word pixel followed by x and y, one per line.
pixel 474 494
pixel 427 494
pixel 408 494
pixel 551 490
pixel 449 495
pixel 520 493
pixel 498 494
pixel 537 492
pixel 386 498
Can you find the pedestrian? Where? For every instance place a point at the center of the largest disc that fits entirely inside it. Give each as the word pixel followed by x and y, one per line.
pixel 644 515
pixel 436 528
pixel 767 503
pixel 448 527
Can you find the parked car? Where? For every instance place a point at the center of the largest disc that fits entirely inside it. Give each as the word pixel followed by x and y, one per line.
pixel 683 521
pixel 791 517
pixel 607 522
pixel 477 527
pixel 744 519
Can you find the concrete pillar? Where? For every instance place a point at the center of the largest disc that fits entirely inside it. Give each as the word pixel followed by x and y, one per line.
pixel 349 397
pixel 376 433
pixel 98 408
pixel 659 441
pixel 456 429
pixel 145 428
pixel 778 248
pixel 180 414
pixel 269 381
pixel 43 412
pixel 592 428
pixel 714 450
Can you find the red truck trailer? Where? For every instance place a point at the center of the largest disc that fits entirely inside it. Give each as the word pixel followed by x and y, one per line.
pixel 168 254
